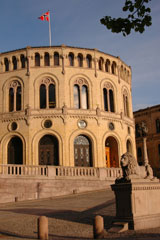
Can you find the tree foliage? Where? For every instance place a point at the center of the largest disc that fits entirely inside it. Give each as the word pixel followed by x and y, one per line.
pixel 138 18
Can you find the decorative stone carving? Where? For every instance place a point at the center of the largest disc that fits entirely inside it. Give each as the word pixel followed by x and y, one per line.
pixel 131 169
pixel 108 85
pixel 81 81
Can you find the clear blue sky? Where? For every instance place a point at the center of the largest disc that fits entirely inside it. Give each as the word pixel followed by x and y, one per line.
pixel 76 23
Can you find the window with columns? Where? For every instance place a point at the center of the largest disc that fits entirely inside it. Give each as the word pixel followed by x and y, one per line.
pixel 71 59
pixel 23 60
pixel 6 64
pixel 107 66
pixel 46 59
pixel 108 97
pixel 14 62
pixel 37 59
pixel 89 60
pixel 100 63
pixel 80 60
pixel 80 92
pixel 125 103
pixel 56 59
pixel 114 67
pixel 15 96
pixel 47 94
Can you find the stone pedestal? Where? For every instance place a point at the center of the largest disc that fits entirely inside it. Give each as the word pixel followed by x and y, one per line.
pixel 138 203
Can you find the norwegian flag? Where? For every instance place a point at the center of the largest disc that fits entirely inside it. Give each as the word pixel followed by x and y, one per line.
pixel 45 16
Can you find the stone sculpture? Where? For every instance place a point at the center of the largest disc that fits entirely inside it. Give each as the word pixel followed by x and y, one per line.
pixel 131 169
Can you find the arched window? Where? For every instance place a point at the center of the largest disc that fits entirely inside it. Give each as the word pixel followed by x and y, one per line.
pixel 80 92
pixel 56 59
pixel 158 125
pixel 114 66
pixel 15 96
pixel 108 97
pixel 6 63
pixel 101 62
pixel 46 59
pixel 107 66
pixel 125 103
pixel 121 72
pixel 71 59
pixel 15 151
pixel 137 130
pixel 82 151
pixel 14 61
pixel 111 152
pixel 22 61
pixel 37 59
pixel 80 60
pixel 47 94
pixel 76 93
pixel 89 60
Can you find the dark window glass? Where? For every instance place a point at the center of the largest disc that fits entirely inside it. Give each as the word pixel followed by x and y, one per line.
pixel 14 61
pixel 14 126
pixel 46 59
pixel 158 125
pixel 76 93
pixel 37 59
pixel 48 124
pixel 22 61
pixel 56 59
pixel 71 59
pixel 6 63
pixel 111 100
pixel 52 96
pixel 11 99
pixel 18 99
pixel 89 61
pixel 42 96
pixel 105 99
pixel 80 60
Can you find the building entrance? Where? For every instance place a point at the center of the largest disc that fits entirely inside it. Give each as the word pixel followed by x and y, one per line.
pixel 48 151
pixel 111 152
pixel 82 151
pixel 15 151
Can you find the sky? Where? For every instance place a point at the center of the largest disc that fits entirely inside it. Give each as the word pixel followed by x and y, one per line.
pixel 77 23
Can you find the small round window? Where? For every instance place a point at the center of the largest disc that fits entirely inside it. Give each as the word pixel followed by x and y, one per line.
pixel 13 126
pixel 111 126
pixel 48 124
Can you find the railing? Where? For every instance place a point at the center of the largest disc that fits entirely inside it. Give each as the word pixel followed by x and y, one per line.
pixel 76 172
pixel 23 170
pixel 60 172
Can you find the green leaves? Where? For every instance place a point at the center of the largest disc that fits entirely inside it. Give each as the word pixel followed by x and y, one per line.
pixel 137 19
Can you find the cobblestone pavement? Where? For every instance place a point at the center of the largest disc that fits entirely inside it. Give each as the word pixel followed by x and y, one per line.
pixel 70 217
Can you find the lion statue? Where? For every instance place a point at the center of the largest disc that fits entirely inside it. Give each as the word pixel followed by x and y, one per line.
pixel 131 169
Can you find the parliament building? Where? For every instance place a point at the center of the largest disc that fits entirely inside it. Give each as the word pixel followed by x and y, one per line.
pixel 65 106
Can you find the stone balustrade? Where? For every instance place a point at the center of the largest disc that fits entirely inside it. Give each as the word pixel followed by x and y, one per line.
pixel 59 172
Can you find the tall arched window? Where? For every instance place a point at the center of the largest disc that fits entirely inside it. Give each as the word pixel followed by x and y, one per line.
pixel 71 59
pixel 76 93
pixel 6 63
pixel 14 61
pixel 129 146
pixel 114 66
pixel 101 62
pixel 107 66
pixel 47 94
pixel 80 92
pixel 126 104
pixel 158 125
pixel 46 59
pixel 37 59
pixel 22 61
pixel 15 96
pixel 108 97
pixel 56 59
pixel 89 60
pixel 80 60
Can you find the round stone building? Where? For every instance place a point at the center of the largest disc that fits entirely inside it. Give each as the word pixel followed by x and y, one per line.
pixel 65 106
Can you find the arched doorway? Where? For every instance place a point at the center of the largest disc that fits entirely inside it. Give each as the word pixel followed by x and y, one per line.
pixel 48 150
pixel 15 151
pixel 111 152
pixel 129 146
pixel 82 151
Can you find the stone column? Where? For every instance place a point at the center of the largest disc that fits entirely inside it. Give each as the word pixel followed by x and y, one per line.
pixel 145 151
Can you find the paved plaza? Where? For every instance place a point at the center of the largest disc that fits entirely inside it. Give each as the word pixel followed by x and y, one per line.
pixel 70 217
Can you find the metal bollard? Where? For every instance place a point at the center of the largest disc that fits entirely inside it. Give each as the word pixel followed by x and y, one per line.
pixel 98 227
pixel 42 228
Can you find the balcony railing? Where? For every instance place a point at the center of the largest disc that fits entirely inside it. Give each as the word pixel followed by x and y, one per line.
pixel 59 172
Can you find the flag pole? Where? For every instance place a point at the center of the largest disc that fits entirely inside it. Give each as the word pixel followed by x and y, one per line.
pixel 49 30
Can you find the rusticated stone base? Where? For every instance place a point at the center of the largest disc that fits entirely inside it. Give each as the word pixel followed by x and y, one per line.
pixel 137 202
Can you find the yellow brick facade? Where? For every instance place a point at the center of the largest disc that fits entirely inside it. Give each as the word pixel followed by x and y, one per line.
pixel 64 117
